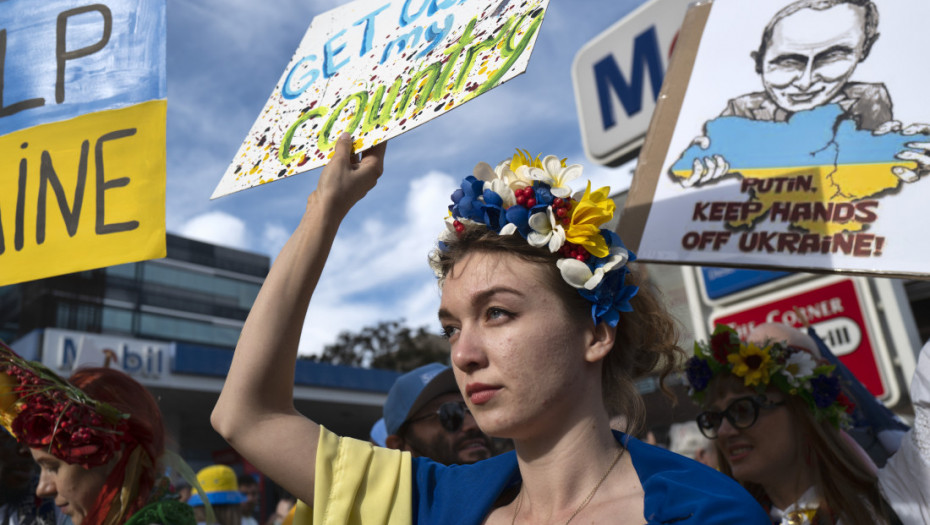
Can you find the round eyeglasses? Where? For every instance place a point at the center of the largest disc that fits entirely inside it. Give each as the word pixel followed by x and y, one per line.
pixel 451 415
pixel 741 413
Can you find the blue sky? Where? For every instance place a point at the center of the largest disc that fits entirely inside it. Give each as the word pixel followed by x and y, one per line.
pixel 224 58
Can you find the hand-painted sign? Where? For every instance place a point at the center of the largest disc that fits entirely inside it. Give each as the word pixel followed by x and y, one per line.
pixel 841 311
pixel 376 69
pixel 82 135
pixel 787 149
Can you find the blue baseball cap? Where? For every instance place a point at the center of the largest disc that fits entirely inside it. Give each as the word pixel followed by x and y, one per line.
pixel 413 390
pixel 378 433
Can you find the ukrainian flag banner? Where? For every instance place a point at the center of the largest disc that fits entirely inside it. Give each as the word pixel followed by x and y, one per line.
pixel 82 135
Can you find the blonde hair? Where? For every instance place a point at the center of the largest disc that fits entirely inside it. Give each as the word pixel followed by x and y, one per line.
pixel 646 339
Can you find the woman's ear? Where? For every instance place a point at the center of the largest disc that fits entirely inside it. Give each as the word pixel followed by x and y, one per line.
pixel 601 342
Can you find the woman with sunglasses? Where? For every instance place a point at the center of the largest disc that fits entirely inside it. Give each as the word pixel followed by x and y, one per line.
pixel 548 332
pixel 776 412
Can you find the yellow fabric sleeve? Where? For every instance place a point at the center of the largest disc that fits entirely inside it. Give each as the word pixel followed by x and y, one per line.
pixel 358 483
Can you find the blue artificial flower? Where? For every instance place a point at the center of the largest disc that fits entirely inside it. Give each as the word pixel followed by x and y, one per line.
pixel 699 373
pixel 610 297
pixel 466 201
pixel 519 217
pixel 493 211
pixel 543 195
pixel 825 389
pixel 613 240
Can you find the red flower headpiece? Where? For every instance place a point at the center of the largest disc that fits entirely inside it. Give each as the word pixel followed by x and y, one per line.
pixel 42 410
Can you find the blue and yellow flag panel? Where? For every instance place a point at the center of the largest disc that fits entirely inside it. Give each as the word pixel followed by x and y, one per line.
pixel 81 193
pixel 82 135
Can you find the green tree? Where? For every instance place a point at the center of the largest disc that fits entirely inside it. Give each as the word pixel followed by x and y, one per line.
pixel 388 345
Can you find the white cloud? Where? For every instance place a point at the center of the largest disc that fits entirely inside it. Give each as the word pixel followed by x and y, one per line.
pixel 389 251
pixel 273 238
pixel 218 228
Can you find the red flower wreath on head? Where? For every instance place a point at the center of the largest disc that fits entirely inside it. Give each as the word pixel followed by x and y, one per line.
pixel 44 411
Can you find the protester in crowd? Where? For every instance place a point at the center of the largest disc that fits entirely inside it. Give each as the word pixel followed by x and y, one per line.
pixel 686 439
pixel 183 490
pixel 221 487
pixel 250 490
pixel 282 509
pixel 776 411
pixel 97 439
pixel 18 478
pixel 425 415
pixel 547 335
pixel 875 428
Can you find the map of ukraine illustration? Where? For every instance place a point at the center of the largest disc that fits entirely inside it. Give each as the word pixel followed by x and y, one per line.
pixel 847 165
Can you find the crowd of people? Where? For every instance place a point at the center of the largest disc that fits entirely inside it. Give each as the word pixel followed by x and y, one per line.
pixel 550 325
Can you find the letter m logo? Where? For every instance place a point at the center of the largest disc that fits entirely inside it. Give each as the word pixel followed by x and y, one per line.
pixel 609 79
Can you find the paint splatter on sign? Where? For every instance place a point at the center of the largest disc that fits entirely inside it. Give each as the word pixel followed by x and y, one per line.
pixel 378 69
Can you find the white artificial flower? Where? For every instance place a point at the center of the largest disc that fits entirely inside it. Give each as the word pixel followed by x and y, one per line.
pixel 546 230
pixel 577 274
pixel 518 179
pixel 799 367
pixel 508 229
pixel 494 181
pixel 557 177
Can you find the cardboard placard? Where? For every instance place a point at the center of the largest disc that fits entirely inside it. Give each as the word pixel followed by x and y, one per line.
pixel 376 69
pixel 786 137
pixel 82 136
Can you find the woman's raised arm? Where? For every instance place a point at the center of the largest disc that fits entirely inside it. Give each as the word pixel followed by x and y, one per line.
pixel 255 411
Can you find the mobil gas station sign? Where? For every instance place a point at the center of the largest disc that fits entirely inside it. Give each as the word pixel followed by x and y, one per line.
pixel 842 312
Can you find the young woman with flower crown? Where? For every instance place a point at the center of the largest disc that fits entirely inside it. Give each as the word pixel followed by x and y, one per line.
pixel 776 411
pixel 548 331
pixel 97 438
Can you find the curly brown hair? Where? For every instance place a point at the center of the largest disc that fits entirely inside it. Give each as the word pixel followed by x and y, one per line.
pixel 646 340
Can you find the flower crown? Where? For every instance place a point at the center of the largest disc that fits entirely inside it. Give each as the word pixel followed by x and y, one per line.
pixel 531 197
pixel 792 370
pixel 42 410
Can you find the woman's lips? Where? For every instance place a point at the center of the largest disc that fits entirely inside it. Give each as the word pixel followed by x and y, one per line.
pixel 738 452
pixel 480 393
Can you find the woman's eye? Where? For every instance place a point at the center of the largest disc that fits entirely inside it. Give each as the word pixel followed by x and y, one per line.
pixel 449 331
pixel 497 313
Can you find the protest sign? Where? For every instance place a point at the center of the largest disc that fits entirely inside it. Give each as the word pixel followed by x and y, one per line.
pixel 376 69
pixel 796 142
pixel 82 135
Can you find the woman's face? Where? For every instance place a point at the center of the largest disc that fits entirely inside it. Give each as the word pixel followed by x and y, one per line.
pixel 519 356
pixel 74 488
pixel 767 450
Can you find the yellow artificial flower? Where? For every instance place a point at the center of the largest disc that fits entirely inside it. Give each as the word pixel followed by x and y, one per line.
pixel 588 215
pixel 523 158
pixel 9 408
pixel 752 363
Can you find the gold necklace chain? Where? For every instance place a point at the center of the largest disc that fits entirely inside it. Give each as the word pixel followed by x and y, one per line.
pixel 586 500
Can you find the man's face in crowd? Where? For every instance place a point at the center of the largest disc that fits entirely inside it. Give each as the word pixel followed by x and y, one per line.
pixel 425 435
pixel 812 55
pixel 250 491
